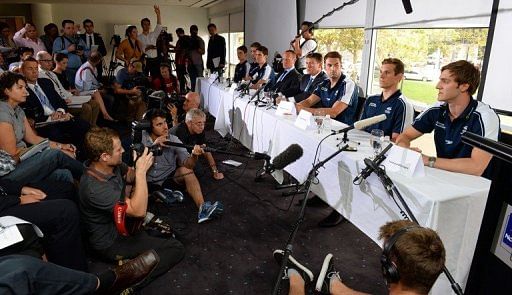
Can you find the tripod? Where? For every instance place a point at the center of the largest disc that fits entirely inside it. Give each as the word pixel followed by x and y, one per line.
pixel 113 65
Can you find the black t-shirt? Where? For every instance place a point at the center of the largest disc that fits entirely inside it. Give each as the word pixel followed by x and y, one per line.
pixel 187 138
pixel 63 80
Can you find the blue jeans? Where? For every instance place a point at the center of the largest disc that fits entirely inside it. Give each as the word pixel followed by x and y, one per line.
pixel 50 164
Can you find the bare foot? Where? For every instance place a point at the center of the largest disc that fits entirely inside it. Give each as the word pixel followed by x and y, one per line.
pixel 108 117
pixel 218 176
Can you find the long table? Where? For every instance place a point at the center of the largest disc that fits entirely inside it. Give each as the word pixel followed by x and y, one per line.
pixel 450 203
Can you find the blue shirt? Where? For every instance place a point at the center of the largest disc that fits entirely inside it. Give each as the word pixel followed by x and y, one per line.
pixel 399 113
pixel 477 118
pixel 241 70
pixel 265 72
pixel 344 91
pixel 61 44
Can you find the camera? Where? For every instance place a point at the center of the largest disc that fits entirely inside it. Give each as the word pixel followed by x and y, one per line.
pixel 277 64
pixel 166 37
pixel 79 47
pixel 137 145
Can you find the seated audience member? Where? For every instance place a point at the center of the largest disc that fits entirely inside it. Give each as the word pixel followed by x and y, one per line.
pixel 24 53
pixel 87 83
pixel 7 45
pixel 27 37
pixel 313 78
pixel 414 254
pixel 88 111
pixel 45 104
pixel 69 43
pixel 391 102
pixel 127 88
pixel 263 71
pixel 175 166
pixel 167 81
pixel 51 32
pixel 308 45
pixel 55 163
pixel 100 190
pixel 243 66
pixel 27 272
pixel 2 64
pixel 192 101
pixel 457 113
pixel 131 47
pixel 337 95
pixel 287 82
pixel 191 132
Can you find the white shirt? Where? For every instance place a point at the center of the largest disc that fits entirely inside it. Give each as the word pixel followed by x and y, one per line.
pixel 47 110
pixel 85 78
pixel 87 40
pixel 56 83
pixel 307 47
pixel 150 39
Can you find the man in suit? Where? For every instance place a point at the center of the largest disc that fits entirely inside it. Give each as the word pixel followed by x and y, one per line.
pixel 93 39
pixel 45 104
pixel 216 50
pixel 288 81
pixel 313 78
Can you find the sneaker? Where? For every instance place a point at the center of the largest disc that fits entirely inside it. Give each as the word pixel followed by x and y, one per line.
pixel 323 282
pixel 168 196
pixel 209 211
pixel 305 273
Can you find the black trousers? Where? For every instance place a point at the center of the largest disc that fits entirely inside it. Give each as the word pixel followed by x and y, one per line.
pixel 170 251
pixel 72 131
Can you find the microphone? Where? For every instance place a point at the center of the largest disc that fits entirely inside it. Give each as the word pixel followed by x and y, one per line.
pixel 258 91
pixel 251 155
pixel 285 158
pixel 362 124
pixel 407 6
pixel 372 165
pixel 497 149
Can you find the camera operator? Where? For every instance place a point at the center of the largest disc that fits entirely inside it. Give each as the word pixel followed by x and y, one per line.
pixel 129 87
pixel 166 174
pixel 148 40
pixel 74 47
pixel 308 45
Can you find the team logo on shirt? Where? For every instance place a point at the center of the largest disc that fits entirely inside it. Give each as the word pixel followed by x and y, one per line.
pixel 448 141
pixel 323 88
pixel 440 125
pixel 464 129
pixel 372 104
pixel 388 110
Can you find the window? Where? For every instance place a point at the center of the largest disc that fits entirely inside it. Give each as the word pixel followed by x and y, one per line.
pixel 233 40
pixel 425 56
pixel 348 42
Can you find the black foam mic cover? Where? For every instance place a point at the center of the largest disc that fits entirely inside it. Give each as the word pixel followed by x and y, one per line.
pixel 288 156
pixel 407 6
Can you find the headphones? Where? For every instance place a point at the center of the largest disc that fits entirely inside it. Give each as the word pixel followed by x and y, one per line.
pixel 389 269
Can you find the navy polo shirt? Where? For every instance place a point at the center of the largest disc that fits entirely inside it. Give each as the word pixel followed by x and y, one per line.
pixel 265 72
pixel 344 91
pixel 399 113
pixel 477 118
pixel 241 70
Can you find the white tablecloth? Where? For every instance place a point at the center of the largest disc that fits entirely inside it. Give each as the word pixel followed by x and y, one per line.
pixel 450 203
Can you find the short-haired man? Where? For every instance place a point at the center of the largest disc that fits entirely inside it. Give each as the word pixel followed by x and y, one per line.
pixel 167 82
pixel 51 32
pixel 315 75
pixel 127 87
pixel 181 57
pixel 337 95
pixel 88 111
pixel 148 40
pixel 216 57
pixel 243 66
pixel 457 114
pixel 263 72
pixel 192 101
pixel 69 43
pixel 391 102
pixel 191 132
pixel 100 191
pixel 94 42
pixel 416 255
pixel 175 166
pixel 197 50
pixel 302 49
pixel 23 53
pixel 287 83
pixel 27 37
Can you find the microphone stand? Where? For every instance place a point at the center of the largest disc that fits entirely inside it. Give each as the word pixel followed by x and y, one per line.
pixel 392 190
pixel 289 247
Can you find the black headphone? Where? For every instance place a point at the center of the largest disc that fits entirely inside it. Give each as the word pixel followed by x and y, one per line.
pixel 389 269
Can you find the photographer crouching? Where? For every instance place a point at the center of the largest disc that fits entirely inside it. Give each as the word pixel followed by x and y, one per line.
pixel 165 173
pixel 110 185
pixel 129 87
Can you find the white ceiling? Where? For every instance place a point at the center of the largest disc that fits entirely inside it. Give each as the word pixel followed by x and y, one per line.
pixel 188 3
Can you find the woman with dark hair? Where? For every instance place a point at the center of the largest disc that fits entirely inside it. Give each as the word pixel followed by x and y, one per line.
pixel 131 47
pixel 56 162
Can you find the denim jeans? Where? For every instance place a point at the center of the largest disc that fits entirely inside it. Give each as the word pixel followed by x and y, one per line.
pixel 50 164
pixel 20 274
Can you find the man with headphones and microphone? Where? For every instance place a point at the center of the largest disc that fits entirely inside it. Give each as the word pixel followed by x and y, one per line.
pixel 412 259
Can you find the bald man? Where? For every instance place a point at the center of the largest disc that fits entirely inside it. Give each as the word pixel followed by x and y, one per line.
pixel 192 101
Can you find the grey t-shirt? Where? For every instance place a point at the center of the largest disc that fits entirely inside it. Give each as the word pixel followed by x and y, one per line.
pixel 16 118
pixel 99 194
pixel 164 164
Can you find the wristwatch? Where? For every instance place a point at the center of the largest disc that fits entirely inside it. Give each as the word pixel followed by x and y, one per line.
pixel 431 161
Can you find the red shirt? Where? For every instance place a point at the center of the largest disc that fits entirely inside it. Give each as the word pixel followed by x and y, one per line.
pixel 168 85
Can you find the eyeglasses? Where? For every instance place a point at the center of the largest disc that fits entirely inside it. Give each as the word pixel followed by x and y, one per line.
pixel 201 123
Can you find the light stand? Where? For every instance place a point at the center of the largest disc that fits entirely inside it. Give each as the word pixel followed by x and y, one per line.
pixel 392 191
pixel 289 247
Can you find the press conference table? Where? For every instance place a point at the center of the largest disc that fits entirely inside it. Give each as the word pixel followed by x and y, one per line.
pixel 450 203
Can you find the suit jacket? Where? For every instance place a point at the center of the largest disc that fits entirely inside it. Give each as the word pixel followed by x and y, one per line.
pixel 98 40
pixel 33 108
pixel 289 86
pixel 304 83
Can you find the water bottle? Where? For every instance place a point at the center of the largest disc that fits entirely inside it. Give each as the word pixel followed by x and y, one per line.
pixel 326 124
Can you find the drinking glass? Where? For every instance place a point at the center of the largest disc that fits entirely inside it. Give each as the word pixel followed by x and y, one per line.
pixel 319 119
pixel 376 139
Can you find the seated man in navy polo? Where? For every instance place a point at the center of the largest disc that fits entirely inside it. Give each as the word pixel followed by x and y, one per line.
pixel 287 82
pixel 263 72
pixel 457 113
pixel 391 102
pixel 337 95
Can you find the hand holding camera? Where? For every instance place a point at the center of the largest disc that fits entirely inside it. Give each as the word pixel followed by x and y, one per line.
pixel 144 161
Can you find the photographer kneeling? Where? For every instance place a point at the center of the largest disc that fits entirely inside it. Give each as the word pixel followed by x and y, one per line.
pixel 165 174
pixel 101 188
pixel 129 88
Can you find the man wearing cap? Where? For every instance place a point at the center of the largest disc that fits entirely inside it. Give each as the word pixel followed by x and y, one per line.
pixel 127 87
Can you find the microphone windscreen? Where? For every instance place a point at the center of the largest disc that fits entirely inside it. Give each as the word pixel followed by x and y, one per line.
pixel 288 156
pixel 361 124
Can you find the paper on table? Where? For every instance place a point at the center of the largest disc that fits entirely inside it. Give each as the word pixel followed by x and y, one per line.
pixel 404 161
pixel 79 100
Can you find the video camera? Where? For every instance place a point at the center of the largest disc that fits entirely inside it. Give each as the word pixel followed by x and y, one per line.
pixel 277 64
pixel 116 39
pixel 160 100
pixel 137 145
pixel 166 37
